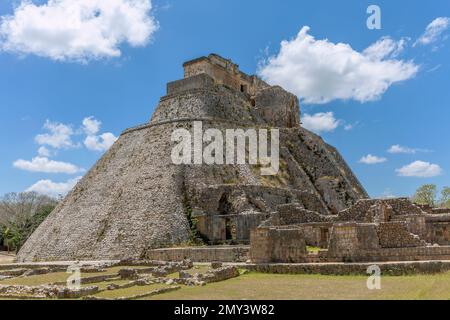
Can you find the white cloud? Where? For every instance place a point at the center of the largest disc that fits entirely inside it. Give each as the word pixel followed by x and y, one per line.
pixel 44 152
pixel 351 126
pixel 371 159
pixel 103 142
pixel 348 127
pixel 91 126
pixel 402 149
pixel 420 169
pixel 320 122
pixel 434 31
pixel 42 164
pixel 53 189
pixel 320 71
pixel 100 143
pixel 385 47
pixel 60 135
pixel 79 30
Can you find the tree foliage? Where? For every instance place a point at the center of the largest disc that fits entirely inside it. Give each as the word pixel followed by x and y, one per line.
pixel 427 195
pixel 445 197
pixel 20 215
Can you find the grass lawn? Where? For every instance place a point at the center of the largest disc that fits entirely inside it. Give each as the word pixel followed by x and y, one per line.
pixel 275 286
pixel 128 292
pixel 49 278
pixel 260 286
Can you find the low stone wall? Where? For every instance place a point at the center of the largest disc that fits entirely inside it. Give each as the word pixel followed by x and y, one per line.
pixel 394 254
pixel 220 274
pixel 201 254
pixel 393 269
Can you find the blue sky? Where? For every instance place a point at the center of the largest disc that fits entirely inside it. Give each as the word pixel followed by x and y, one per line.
pixel 43 79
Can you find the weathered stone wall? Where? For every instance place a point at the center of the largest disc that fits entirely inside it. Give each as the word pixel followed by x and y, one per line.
pixel 324 172
pixel 220 274
pixel 261 245
pixel 438 229
pixel 195 82
pixel 235 199
pixel 364 210
pixel 201 254
pixel 392 268
pixel 396 235
pixel 317 234
pixel 224 72
pixel 275 245
pixel 348 238
pixel 440 211
pixel 215 102
pixel 291 214
pixel 396 254
pixel 278 107
pixel 235 228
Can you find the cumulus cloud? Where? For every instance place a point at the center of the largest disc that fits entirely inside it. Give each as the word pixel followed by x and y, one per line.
pixel 434 31
pixel 420 169
pixel 44 152
pixel 42 164
pixel 59 136
pixel 100 143
pixel 320 122
pixel 79 30
pixel 320 71
pixel 91 125
pixel 53 189
pixel 103 142
pixel 371 159
pixel 385 47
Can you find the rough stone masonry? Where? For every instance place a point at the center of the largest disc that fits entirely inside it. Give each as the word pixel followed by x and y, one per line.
pixel 135 199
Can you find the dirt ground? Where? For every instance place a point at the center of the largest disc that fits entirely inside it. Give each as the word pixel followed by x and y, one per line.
pixel 6 257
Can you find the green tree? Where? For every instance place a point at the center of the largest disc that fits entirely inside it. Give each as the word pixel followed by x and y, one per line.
pixel 21 214
pixel 445 197
pixel 426 195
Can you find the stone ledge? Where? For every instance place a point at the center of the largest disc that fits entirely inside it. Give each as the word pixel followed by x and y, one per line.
pixel 387 268
pixel 202 254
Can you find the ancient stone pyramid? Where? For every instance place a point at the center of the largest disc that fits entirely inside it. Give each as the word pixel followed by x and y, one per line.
pixel 135 199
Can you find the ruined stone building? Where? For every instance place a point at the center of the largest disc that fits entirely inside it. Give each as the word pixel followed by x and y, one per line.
pixel 135 200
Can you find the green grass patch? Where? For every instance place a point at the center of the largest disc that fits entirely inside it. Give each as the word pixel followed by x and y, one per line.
pixel 129 292
pixel 50 278
pixel 313 249
pixel 103 285
pixel 260 286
